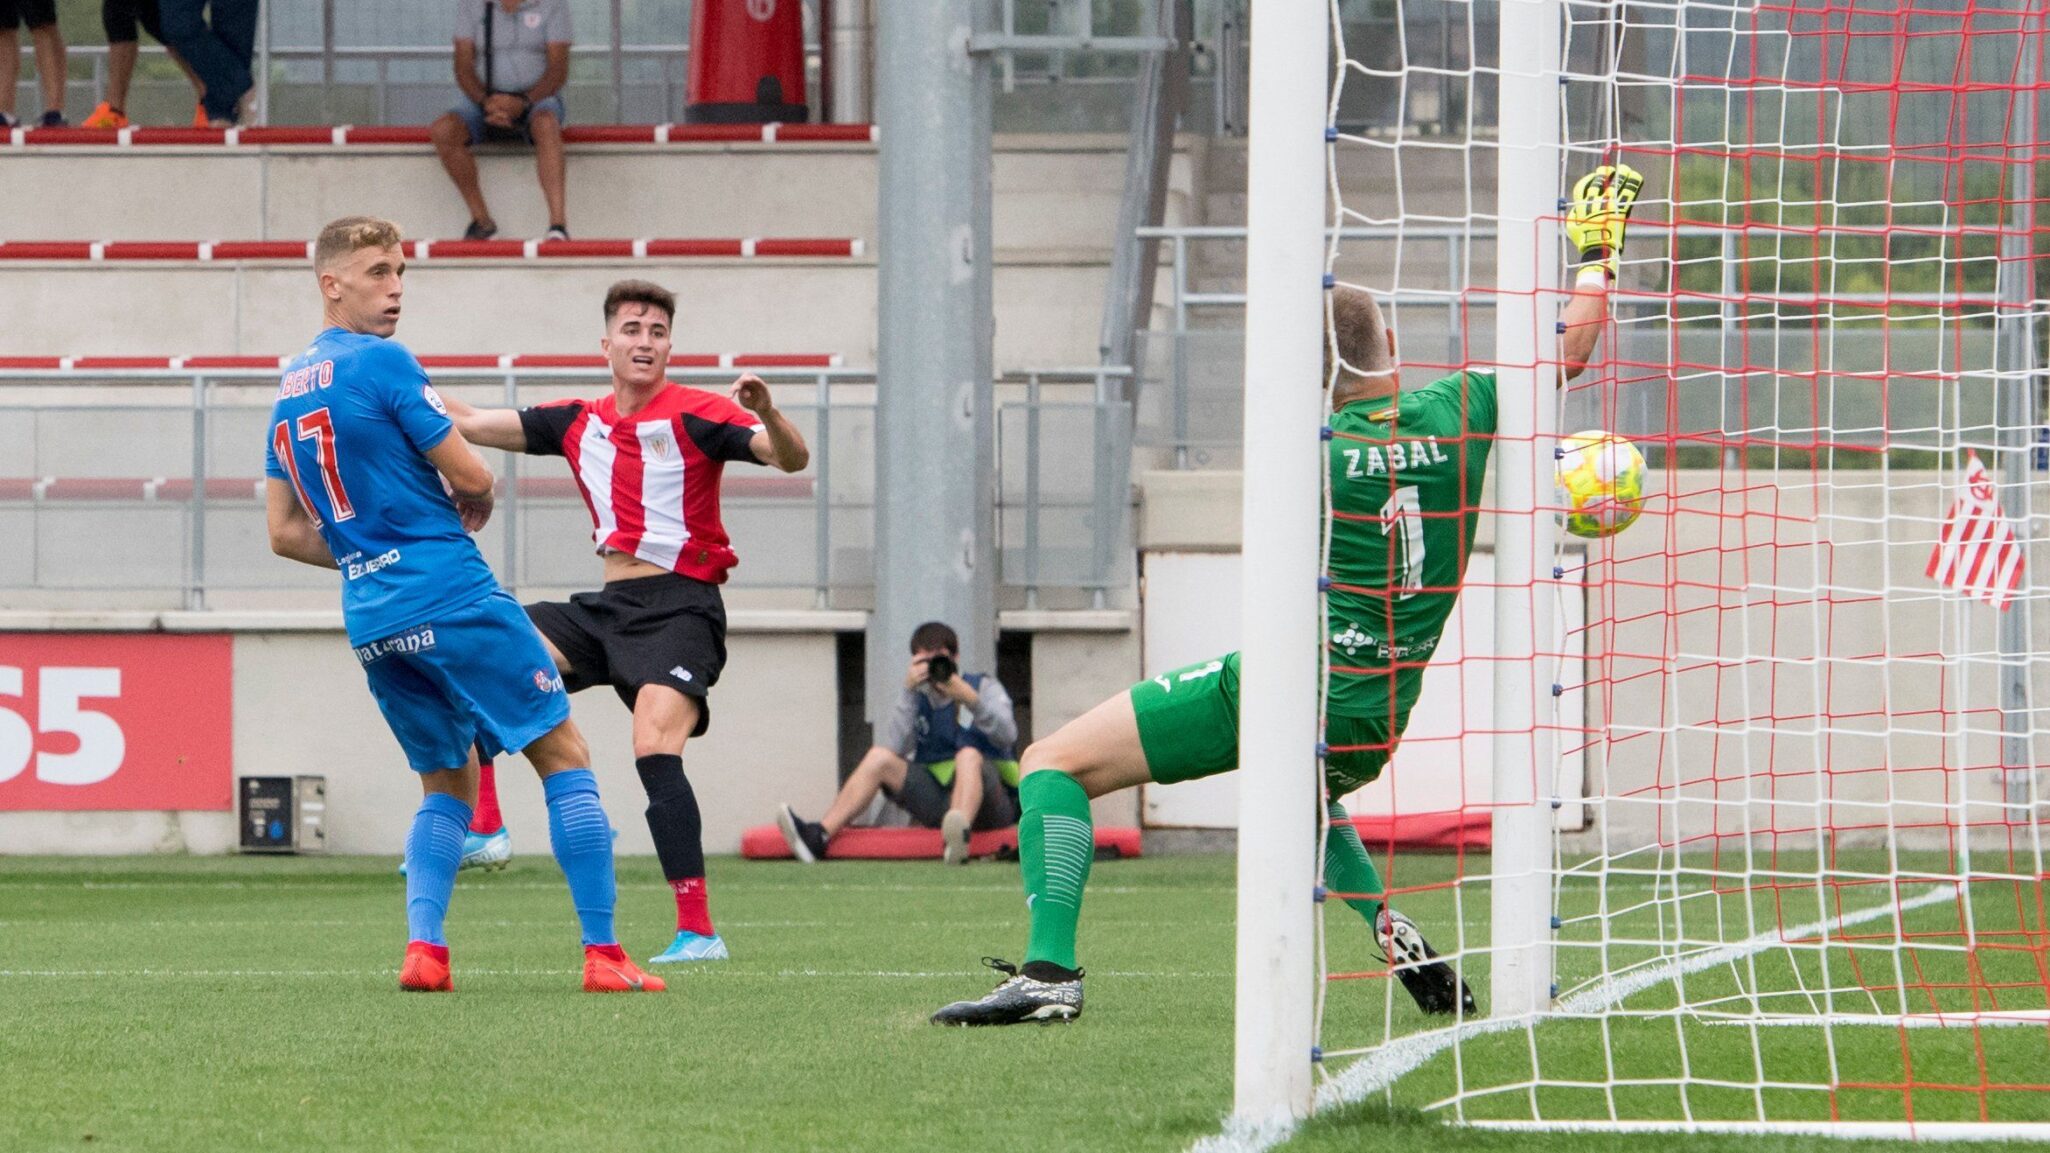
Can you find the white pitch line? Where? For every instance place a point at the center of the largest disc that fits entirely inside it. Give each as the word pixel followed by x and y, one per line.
pixel 284 887
pixel 1398 1058
pixel 696 972
pixel 2004 1131
pixel 461 924
pixel 1963 1019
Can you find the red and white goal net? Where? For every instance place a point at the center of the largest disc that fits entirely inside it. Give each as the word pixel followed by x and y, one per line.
pixel 1792 861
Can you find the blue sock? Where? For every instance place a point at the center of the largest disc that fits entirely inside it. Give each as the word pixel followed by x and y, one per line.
pixel 582 838
pixel 433 850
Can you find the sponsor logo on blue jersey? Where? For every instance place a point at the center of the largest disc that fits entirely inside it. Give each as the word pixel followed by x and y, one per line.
pixel 351 426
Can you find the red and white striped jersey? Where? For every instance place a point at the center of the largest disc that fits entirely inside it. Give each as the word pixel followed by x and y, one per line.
pixel 651 480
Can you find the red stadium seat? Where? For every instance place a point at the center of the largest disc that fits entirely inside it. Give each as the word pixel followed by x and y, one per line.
pixel 1457 829
pixel 415 135
pixel 229 251
pixel 679 361
pixel 86 489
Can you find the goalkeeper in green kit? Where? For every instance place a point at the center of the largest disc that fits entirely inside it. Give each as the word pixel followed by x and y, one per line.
pixel 1405 475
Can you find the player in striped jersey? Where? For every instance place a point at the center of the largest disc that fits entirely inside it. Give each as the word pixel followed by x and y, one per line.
pixel 1405 469
pixel 648 459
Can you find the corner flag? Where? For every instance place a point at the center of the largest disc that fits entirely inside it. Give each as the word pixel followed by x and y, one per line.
pixel 1978 554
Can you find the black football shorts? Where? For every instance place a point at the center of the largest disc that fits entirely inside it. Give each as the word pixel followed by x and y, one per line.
pixel 657 630
pixel 34 13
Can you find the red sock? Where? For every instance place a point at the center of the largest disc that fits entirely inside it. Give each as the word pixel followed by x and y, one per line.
pixel 693 914
pixel 486 821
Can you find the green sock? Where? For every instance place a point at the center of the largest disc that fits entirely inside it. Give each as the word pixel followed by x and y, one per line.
pixel 1348 868
pixel 1056 843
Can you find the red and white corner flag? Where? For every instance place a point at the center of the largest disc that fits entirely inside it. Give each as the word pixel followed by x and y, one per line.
pixel 1978 554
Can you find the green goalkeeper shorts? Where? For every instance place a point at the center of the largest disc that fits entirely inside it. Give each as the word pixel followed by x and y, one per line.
pixel 1189 728
pixel 1189 720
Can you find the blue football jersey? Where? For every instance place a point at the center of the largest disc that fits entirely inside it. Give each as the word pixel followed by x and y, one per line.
pixel 354 418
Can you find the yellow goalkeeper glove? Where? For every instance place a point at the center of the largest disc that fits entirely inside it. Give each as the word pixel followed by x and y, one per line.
pixel 1600 212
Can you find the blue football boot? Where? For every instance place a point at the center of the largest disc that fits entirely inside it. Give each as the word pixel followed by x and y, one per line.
pixel 486 852
pixel 689 946
pixel 483 852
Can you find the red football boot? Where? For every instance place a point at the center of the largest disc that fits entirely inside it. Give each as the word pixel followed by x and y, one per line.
pixel 426 969
pixel 608 970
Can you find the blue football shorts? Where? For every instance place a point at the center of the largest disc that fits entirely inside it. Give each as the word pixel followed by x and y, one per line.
pixel 478 675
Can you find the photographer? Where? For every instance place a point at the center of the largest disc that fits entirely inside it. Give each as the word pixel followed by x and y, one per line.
pixel 946 756
pixel 511 92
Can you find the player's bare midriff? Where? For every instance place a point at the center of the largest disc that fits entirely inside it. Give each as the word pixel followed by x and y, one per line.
pixel 622 566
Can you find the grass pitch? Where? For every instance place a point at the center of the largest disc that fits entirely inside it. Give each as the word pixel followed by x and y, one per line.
pixel 188 1004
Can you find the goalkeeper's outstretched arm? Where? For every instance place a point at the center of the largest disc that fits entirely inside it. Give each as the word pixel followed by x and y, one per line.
pixel 1595 223
pixel 1586 314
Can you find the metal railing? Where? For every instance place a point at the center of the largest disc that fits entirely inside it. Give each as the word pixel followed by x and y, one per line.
pixel 1108 493
pixel 168 520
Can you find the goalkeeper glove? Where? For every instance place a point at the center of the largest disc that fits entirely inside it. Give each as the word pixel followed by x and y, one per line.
pixel 1599 213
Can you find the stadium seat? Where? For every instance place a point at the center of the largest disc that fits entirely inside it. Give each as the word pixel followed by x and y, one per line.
pixel 51 489
pixel 344 135
pixel 678 361
pixel 1458 829
pixel 232 251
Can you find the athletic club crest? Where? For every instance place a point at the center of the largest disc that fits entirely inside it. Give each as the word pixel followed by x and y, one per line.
pixel 659 445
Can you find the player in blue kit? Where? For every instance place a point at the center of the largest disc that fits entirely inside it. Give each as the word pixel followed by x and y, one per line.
pixel 364 476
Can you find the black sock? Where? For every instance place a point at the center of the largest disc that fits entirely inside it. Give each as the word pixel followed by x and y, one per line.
pixel 673 816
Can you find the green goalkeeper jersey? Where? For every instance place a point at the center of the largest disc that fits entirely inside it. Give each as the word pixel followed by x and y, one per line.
pixel 1405 497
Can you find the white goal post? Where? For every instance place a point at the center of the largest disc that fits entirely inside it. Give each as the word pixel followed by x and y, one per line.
pixel 1286 257
pixel 1527 259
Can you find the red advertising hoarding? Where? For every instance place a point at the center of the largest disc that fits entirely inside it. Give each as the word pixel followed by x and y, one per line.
pixel 116 721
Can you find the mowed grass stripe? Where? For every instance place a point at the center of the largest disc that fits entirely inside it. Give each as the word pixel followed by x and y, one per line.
pixel 281 1026
pixel 270 1017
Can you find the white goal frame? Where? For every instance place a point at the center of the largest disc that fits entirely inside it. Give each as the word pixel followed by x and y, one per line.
pixel 1287 262
pixel 1286 258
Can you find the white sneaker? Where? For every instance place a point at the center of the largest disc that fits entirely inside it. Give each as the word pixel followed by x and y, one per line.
pixel 486 852
pixel 954 832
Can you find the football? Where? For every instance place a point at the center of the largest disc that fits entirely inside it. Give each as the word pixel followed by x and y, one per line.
pixel 1601 483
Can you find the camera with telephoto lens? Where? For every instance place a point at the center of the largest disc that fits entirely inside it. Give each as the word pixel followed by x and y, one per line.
pixel 940 668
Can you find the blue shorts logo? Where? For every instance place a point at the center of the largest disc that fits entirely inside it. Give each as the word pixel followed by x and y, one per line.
pixel 411 641
pixel 547 682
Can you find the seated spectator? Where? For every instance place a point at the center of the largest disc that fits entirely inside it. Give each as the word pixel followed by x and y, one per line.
pixel 125 20
pixel 515 96
pixel 217 38
pixel 945 756
pixel 41 18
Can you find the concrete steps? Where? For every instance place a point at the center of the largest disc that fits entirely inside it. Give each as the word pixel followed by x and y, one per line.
pixel 1050 192
pixel 290 192
pixel 1048 312
pixel 1055 211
